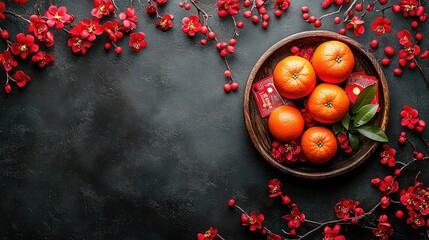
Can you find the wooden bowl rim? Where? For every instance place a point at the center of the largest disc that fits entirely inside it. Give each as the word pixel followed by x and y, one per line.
pixel 306 34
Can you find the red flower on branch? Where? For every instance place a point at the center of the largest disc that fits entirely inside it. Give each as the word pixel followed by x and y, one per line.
pixel 137 41
pixel 388 185
pixel 129 19
pixel 21 78
pixel 344 142
pixel 332 233
pixel 113 30
pixel 78 44
pixel 225 7
pixel 102 8
pixel 90 29
pixel 37 26
pixel 381 25
pixel 210 234
pixel 42 59
pixel 384 229
pixel 388 156
pixel 409 7
pixel 2 8
pixel 357 24
pixel 24 45
pixel 282 4
pixel 275 188
pixel 6 59
pixel 295 218
pixel 415 220
pixel 272 236
pixel 345 207
pixel 57 17
pixel 254 221
pixel 165 22
pixel 409 116
pixel 191 25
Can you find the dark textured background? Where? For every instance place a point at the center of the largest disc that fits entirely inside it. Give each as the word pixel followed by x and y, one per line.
pixel 148 146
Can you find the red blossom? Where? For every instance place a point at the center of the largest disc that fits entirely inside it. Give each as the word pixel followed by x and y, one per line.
pixel 409 116
pixel 357 24
pixel 308 119
pixel 275 188
pixel 288 152
pixel 6 59
pixel 37 26
pixel 225 7
pixel 129 19
pixel 388 185
pixel 272 236
pixel 343 140
pixel 57 17
pixel 42 59
pixel 210 234
pixel 295 218
pixel 345 207
pixel 415 220
pixel 408 196
pixel 78 44
pixel 409 51
pixel 24 45
pixel 112 28
pixel 137 41
pixel 165 22
pixel 404 37
pixel 191 25
pixel 381 25
pixel 21 78
pixel 384 229
pixel 48 39
pixel 102 8
pixel 388 156
pixel 90 29
pixel 254 221
pixel 409 7
pixel 425 55
pixel 282 4
pixel 20 1
pixel 2 8
pixel 332 233
pixel 151 9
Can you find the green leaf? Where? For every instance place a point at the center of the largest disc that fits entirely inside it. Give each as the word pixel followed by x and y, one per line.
pixel 364 115
pixel 373 132
pixel 336 128
pixel 354 142
pixel 346 121
pixel 364 97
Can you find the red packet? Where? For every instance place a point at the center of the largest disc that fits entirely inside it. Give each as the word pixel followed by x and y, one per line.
pixel 266 96
pixel 356 82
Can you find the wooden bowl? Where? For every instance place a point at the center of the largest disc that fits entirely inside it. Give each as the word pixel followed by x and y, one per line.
pixel 257 126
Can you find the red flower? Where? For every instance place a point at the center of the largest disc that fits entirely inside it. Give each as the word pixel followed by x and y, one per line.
pixel 388 156
pixel 90 29
pixel 381 25
pixel 308 119
pixel 255 222
pixel 2 8
pixel 343 140
pixel 357 24
pixel 404 37
pixel 425 55
pixel 344 207
pixel 409 7
pixel 409 51
pixel 388 185
pixel 151 9
pixel 415 220
pixel 20 1
pixel 129 19
pixel 225 7
pixel 137 41
pixel 6 59
pixel 408 196
pixel 42 59
pixel 78 44
pixel 191 25
pixel 21 78
pixel 112 28
pixel 289 152
pixel 272 236
pixel 332 233
pixel 37 26
pixel 161 2
pixel 295 217
pixel 48 39
pixel 210 234
pixel 165 22
pixel 57 16
pixel 384 229
pixel 282 4
pixel 409 116
pixel 275 187
pixel 102 8
pixel 24 45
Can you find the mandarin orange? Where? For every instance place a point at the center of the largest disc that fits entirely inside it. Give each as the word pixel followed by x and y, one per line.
pixel 286 123
pixel 318 144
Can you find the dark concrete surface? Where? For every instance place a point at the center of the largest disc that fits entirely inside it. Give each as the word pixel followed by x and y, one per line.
pixel 148 146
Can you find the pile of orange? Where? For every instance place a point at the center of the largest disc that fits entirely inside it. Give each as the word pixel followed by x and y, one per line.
pixel 327 103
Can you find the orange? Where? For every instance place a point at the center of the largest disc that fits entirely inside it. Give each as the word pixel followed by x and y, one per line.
pixel 328 103
pixel 294 77
pixel 333 61
pixel 286 123
pixel 318 144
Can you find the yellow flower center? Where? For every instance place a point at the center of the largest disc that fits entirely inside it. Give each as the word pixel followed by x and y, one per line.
pixel 23 48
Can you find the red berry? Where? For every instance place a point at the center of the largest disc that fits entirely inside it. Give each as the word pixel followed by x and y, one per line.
pixel 396 8
pixel 305 16
pixel 203 41
pixel 187 6
pixel 266 17
pixel 390 51
pixel 385 61
pixel 414 24
pixel 294 49
pixel 402 140
pixel 265 25
pixel 292 232
pixel 403 134
pixel 337 20
pixel 231 203
pixel 351 13
pixel 342 31
pixel 247 3
pixel 262 10
pixel 223 45
pixel 204 29
pixel 211 35
pixel 317 23
pixel 304 9
pixel 227 73
pixel 326 4
pixel 8 88
pixel 107 46
pixel 419 36
pixel 218 46
pixel 312 19
pixel 247 14
pixel 181 4
pixel 264 231
pixel 419 156
pixel 339 2
pixel 230 49
pixel 232 42
pixel 223 53
pixel 374 43
pixel 234 86
pixel 278 12
pixel 397 71
pixel 382 2
pixel 397 172
pixel 359 7
pixel 285 200
pixel 118 50
pixel 4 34
pixel 402 62
pixel 255 18
pixel 227 88
pixel 399 214
pixel 240 24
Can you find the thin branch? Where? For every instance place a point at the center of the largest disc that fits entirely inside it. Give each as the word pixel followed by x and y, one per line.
pixel 332 13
